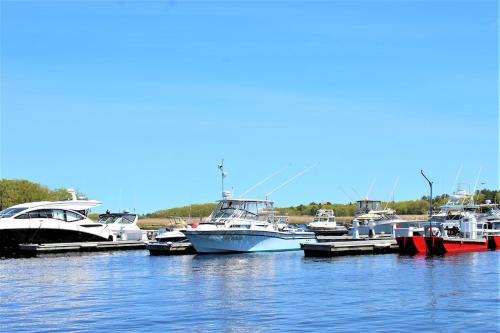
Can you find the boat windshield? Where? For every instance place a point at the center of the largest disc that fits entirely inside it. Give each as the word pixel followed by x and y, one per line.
pixel 9 212
pixel 367 205
pixel 240 209
pixel 116 219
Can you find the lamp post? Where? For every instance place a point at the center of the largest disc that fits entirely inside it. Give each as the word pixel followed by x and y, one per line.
pixel 430 202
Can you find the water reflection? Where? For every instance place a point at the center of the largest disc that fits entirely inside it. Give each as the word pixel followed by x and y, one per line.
pixel 247 292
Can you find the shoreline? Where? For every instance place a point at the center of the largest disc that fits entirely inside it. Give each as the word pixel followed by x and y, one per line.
pixel 158 223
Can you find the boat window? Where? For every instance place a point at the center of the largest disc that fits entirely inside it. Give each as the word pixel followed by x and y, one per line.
pixel 58 214
pixel 41 214
pixel 71 217
pixel 128 218
pixel 9 212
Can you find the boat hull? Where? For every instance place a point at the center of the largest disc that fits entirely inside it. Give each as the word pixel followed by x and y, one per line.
pixel 412 245
pixel 440 245
pixel 227 241
pixel 494 242
pixel 15 232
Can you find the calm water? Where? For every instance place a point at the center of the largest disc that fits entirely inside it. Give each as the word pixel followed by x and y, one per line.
pixel 279 292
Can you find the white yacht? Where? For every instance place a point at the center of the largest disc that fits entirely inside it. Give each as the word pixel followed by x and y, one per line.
pixel 123 226
pixel 372 218
pixel 324 224
pixel 245 225
pixel 51 222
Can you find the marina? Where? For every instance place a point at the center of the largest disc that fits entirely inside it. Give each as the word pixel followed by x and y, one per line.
pixel 249 166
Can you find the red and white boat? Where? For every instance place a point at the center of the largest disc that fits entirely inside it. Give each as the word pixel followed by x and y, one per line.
pixel 472 238
pixel 458 227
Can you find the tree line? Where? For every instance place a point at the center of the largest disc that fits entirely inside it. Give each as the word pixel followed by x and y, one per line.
pixel 14 191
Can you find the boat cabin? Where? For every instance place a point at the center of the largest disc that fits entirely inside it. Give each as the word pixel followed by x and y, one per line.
pixel 243 209
pixel 365 206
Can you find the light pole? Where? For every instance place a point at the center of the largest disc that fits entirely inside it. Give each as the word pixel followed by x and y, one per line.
pixel 430 202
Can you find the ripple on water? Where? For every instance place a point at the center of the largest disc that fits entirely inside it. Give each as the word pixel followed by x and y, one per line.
pixel 279 292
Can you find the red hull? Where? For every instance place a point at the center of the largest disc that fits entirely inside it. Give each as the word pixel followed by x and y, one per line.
pixel 411 245
pixel 439 245
pixel 494 242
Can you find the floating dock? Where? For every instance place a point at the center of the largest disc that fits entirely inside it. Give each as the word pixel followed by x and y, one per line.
pixel 168 248
pixel 34 249
pixel 350 247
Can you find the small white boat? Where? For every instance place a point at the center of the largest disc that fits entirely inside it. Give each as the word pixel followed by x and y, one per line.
pixel 246 225
pixel 324 224
pixel 123 226
pixel 166 235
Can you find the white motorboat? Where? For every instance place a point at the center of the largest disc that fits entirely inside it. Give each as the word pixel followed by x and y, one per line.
pixel 371 218
pixel 324 224
pixel 246 225
pixel 174 233
pixel 51 222
pixel 166 235
pixel 123 226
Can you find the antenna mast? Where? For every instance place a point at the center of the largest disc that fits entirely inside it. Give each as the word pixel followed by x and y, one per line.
pixel 222 175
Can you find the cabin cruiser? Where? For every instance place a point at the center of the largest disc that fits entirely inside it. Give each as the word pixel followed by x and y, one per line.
pixel 123 226
pixel 324 224
pixel 246 225
pixel 51 222
pixel 372 219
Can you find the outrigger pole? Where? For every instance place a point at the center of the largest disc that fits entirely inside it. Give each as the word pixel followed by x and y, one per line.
pixel 430 202
pixel 264 180
pixel 291 179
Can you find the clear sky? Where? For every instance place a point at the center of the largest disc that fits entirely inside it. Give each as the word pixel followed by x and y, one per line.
pixel 135 102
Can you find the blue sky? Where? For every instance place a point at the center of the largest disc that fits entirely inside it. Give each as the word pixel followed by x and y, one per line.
pixel 135 102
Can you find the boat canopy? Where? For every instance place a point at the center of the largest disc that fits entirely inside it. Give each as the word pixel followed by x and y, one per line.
pixel 239 200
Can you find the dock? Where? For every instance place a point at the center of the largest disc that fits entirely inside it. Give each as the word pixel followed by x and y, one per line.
pixel 350 247
pixel 34 249
pixel 169 248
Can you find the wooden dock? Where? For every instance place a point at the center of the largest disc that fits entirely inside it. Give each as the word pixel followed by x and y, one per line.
pixel 34 249
pixel 350 247
pixel 169 248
